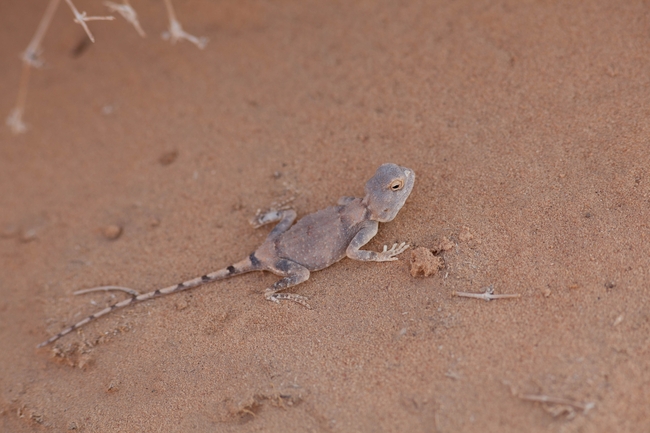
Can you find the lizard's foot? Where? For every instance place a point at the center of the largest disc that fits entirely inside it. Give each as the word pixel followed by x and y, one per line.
pixel 265 217
pixel 273 296
pixel 389 255
pixel 271 214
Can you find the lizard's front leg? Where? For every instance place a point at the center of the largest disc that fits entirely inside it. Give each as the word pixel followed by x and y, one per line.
pixel 367 232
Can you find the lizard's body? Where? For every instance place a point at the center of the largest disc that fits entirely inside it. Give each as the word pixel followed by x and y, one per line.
pixel 315 242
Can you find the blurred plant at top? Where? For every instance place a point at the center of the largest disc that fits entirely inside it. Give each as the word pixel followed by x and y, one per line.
pixel 31 57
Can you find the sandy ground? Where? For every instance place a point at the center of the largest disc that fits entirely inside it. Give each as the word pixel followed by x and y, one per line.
pixel 526 122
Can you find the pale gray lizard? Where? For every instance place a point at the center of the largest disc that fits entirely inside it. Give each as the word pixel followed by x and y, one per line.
pixel 315 242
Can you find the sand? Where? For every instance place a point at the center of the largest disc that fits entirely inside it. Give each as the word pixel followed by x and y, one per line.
pixel 526 123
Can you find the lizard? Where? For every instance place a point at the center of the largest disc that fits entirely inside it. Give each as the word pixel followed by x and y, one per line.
pixel 315 242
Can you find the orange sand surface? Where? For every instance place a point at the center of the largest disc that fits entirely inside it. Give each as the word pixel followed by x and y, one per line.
pixel 527 125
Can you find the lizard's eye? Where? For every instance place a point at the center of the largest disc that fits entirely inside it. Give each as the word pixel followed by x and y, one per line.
pixel 397 184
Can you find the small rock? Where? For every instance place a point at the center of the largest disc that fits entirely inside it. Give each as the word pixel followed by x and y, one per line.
pixel 168 158
pixel 112 387
pixel 28 235
pixel 112 232
pixel 444 245
pixel 424 263
pixel 618 320
pixel 465 235
pixel 181 304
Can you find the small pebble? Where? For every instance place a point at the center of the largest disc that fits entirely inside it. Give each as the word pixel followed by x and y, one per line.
pixel 465 235
pixel 168 158
pixel 28 235
pixel 445 245
pixel 112 232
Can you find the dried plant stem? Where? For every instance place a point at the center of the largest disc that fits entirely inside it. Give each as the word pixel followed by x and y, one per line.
pixel 487 295
pixel 557 406
pixel 22 87
pixel 81 18
pixel 106 289
pixel 128 13
pixel 170 10
pixel 33 49
pixel 30 57
pixel 176 32
pixel 584 407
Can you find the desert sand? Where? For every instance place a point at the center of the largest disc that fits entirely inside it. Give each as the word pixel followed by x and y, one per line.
pixel 527 125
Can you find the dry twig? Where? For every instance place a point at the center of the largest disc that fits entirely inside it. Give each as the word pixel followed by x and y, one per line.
pixel 31 58
pixel 31 55
pixel 541 398
pixel 128 13
pixel 106 289
pixel 487 295
pixel 82 18
pixel 560 405
pixel 176 32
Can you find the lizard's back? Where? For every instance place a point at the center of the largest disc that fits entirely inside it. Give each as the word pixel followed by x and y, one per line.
pixel 320 239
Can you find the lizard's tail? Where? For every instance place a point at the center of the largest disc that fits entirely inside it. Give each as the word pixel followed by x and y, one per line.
pixel 247 265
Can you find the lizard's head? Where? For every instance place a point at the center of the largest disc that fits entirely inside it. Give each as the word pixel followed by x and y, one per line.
pixel 387 191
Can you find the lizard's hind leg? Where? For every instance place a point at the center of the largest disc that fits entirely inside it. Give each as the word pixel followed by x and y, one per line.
pixel 293 274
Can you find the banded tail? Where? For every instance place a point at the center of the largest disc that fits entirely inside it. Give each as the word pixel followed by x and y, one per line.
pixel 247 265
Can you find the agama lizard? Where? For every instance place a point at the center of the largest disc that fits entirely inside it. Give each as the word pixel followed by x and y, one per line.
pixel 315 242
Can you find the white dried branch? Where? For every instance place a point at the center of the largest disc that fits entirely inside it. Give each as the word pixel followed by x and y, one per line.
pixel 15 121
pixel 31 58
pixel 33 51
pixel 584 407
pixel 128 13
pixel 81 18
pixel 176 32
pixel 106 289
pixel 487 295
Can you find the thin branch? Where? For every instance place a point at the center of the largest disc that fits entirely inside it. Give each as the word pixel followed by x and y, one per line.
pixel 584 407
pixel 128 13
pixel 82 18
pixel 31 54
pixel 30 58
pixel 106 289
pixel 176 32
pixel 15 119
pixel 487 295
